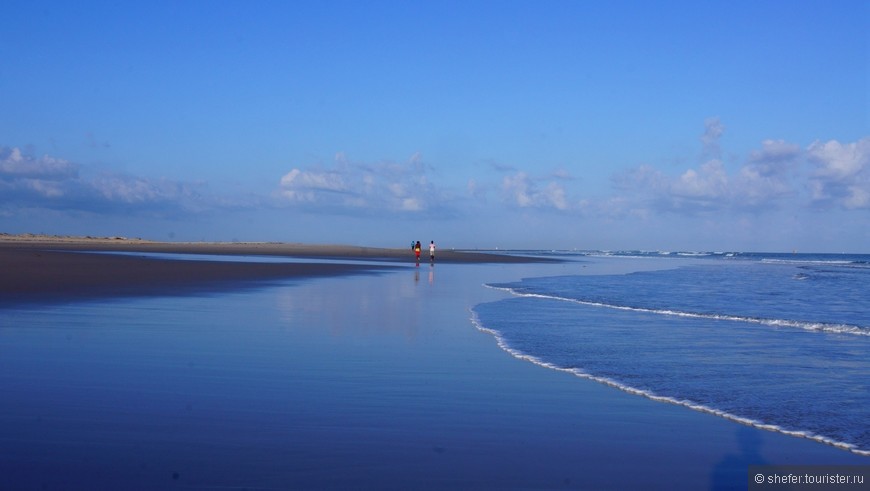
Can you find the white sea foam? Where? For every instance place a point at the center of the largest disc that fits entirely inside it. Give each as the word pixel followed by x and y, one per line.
pixel 816 262
pixel 503 344
pixel 788 323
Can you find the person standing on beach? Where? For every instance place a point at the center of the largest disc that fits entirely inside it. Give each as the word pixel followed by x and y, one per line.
pixel 432 251
pixel 417 248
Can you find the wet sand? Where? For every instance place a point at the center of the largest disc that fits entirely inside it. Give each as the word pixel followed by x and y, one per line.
pixel 52 268
pixel 326 251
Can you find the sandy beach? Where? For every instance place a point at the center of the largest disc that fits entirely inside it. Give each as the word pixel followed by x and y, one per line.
pixel 38 267
pixel 123 244
pixel 340 381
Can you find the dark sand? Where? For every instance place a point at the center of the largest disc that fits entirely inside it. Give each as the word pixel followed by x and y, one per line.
pixel 325 251
pixel 38 268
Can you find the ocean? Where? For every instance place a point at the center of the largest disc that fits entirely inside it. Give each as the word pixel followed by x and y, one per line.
pixel 775 341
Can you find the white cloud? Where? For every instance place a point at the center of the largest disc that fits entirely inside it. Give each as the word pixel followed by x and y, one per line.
pixel 137 190
pixel 643 177
pixel 709 182
pixel 516 188
pixel 562 174
pixel 411 204
pixel 323 181
pixel 774 154
pixel 838 175
pixel 521 190
pixel 348 186
pixel 306 186
pixel 842 173
pixel 838 161
pixel 45 189
pixel 713 130
pixel 857 197
pixel 756 188
pixel 476 190
pixel 53 183
pixel 767 178
pixel 15 165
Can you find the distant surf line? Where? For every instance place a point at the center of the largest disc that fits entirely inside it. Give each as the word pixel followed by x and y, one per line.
pixel 805 325
pixel 503 344
pixel 798 259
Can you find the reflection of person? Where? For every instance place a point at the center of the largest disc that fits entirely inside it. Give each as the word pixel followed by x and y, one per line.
pixel 432 250
pixel 417 248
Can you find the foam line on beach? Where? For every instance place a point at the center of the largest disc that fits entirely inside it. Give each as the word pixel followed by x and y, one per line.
pixel 817 262
pixel 503 344
pixel 805 325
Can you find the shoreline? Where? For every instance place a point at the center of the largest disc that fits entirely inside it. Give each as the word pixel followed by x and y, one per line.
pixel 39 268
pixel 290 249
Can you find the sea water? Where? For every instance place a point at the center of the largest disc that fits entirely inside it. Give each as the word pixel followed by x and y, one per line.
pixel 776 341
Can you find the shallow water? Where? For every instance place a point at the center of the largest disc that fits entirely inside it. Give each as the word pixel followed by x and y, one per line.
pixel 779 343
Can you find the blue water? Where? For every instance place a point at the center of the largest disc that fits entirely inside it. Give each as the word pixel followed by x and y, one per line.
pixel 777 341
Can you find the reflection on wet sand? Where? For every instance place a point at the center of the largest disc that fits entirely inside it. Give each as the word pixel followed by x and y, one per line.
pixel 354 306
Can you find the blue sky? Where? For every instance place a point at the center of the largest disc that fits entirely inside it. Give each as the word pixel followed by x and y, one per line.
pixel 558 124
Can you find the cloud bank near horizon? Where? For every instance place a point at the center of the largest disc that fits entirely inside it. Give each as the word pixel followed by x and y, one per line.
pixel 822 176
pixel 348 187
pixel 776 175
pixel 46 182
